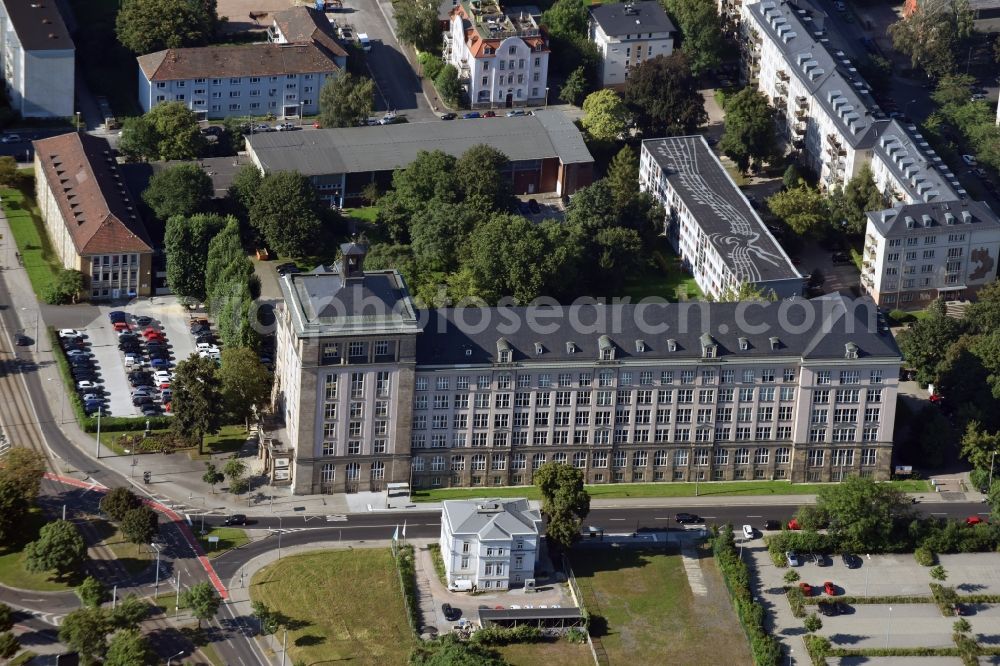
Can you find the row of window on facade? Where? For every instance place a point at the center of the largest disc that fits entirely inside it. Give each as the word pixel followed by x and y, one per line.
pixel 928 240
pixel 356 351
pixel 382 385
pixel 510 79
pixel 705 433
pixel 499 462
pixel 235 81
pixel 236 106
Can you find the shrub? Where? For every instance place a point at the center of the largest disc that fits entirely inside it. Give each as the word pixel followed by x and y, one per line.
pixel 819 648
pixel 495 635
pixel 796 600
pixel 945 598
pixel 792 576
pixel 575 635
pixel 430 64
pixel 925 556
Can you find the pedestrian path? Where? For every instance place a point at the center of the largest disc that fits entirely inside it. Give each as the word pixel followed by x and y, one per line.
pixel 692 567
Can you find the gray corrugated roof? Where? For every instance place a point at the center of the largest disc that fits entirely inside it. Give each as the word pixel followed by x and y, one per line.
pixel 933 218
pixel 815 329
pixel 632 18
pixel 38 24
pixel 732 226
pixel 496 614
pixel 544 135
pixel 504 518
pixel 902 148
pixel 828 75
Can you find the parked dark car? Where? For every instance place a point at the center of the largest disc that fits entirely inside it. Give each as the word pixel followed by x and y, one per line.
pixel 771 525
pixel 449 116
pixel 140 400
pixel 206 337
pixel 235 519
pixel 198 327
pixel 831 608
pixel 689 519
pixel 287 268
pixel 143 321
pixel 116 316
pixel 21 340
pixel 841 258
pixel 534 207
pixel 471 114
pixel 823 560
pixel 850 561
pixel 151 410
pixel 450 612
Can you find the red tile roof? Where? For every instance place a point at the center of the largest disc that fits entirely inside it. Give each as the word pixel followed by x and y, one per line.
pixel 100 213
pixel 235 61
pixel 305 24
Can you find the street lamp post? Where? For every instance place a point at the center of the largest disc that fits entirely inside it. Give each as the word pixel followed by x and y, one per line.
pixel 179 654
pixel 156 586
pixel 990 485
pixel 97 447
pixel 868 570
pixel 77 121
pixel 888 625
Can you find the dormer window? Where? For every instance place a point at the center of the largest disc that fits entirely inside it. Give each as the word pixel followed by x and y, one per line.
pixel 570 347
pixel 538 349
pixel 744 344
pixel 607 348
pixel 503 351
pixel 640 346
pixel 850 350
pixel 775 343
pixel 671 345
pixel 708 346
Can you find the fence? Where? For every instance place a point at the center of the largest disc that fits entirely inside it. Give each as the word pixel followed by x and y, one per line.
pixel 596 647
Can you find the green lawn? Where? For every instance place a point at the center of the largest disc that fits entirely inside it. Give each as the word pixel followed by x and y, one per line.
pixel 666 489
pixel 645 609
pixel 229 538
pixel 665 278
pixel 135 558
pixel 550 653
pixel 12 571
pixel 346 606
pixel 366 214
pixel 228 440
pixel 40 261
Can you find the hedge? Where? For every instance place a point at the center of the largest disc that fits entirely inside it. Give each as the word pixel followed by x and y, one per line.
pixel 408 580
pixel 796 599
pixel 925 556
pixel 496 635
pixel 766 649
pixel 890 599
pixel 945 598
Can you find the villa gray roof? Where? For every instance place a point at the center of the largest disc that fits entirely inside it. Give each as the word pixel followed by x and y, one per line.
pixel 814 329
pixel 491 519
pixel 546 134
pixel 914 163
pixel 731 225
pixel 832 81
pixel 921 219
pixel 632 18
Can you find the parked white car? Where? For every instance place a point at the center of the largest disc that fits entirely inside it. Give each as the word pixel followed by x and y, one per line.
pixel 970 160
pixel 71 333
pixel 748 532
pixel 86 384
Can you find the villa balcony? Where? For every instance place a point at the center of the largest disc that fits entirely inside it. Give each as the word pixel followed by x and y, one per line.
pixel 782 75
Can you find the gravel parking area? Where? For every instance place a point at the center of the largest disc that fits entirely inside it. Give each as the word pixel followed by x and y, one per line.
pixel 104 343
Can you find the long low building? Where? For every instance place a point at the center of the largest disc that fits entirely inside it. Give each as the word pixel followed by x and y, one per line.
pixel 374 391
pixel 546 152
pixel 711 225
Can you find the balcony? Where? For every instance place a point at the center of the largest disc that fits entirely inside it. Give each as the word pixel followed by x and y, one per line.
pixel 801 112
pixel 782 75
pixel 802 101
pixel 799 127
pixel 782 89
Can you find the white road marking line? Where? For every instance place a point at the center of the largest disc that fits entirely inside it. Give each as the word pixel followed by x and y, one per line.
pixel 661 517
pixel 616 519
pixel 755 516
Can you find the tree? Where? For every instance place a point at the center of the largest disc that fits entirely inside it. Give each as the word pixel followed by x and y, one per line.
pixel 701 33
pixel 6 617
pixel 91 592
pixel 450 651
pixel 212 476
pixel 620 252
pixel 59 548
pixel 9 645
pixel 566 18
pixel 178 135
pixel 137 140
pixel 663 97
pixel 564 501
pixel 417 24
pixel 482 174
pixel 129 648
pixel 286 213
pixel 575 87
pixel 605 117
pixel 939 573
pixel 13 508
pixel 245 382
pixel 791 177
pixel 182 189
pixel 430 64
pixel 750 134
pixel 23 467
pixel 129 612
pixel 267 618
pixel 439 230
pixel 448 85
pixel 196 399
pixel 346 100
pixel 934 34
pixel 140 525
pixel 925 344
pixel 144 26
pixel 802 208
pixel 8 170
pixel 186 242
pixel 812 623
pixel 226 264
pixel 203 601
pixel 978 446
pixel 863 513
pixel 66 287
pixel 234 469
pixel 244 188
pixel 84 630
pixel 623 176
pixel 746 291
pixel 859 196
pixel 506 255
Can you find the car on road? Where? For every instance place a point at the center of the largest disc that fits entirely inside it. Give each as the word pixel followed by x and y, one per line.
pixel 515 113
pixel 285 127
pixel 829 588
pixel 974 520
pixel 688 518
pixel 850 560
pixel 793 559
pixel 449 116
pixel 748 532
pixel 450 612
pixel 970 160
pixel 235 519
pixel 71 333
pixel 471 114
pixel 806 588
pixel 770 525
pixel 490 114
pixel 88 384
pixel 261 127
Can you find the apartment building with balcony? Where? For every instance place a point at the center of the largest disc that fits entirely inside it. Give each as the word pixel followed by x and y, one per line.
pixel 826 108
pixel 91 217
pixel 282 78
pixel 907 170
pixel 37 59
pixel 372 390
pixel 502 55
pixel 626 35
pixel 917 252
pixel 489 544
pixel 709 222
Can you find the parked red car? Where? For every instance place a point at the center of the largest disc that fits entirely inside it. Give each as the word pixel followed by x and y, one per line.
pixel 806 588
pixel 829 589
pixel 974 520
pixel 793 524
pixel 121 326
